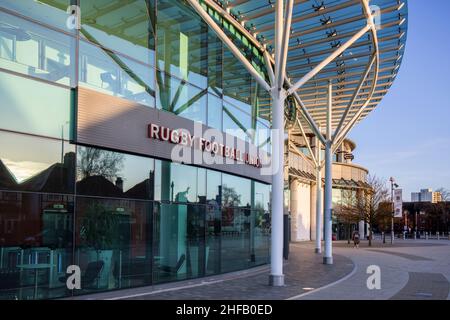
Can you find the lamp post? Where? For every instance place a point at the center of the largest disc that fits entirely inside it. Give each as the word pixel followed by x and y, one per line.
pixel 393 184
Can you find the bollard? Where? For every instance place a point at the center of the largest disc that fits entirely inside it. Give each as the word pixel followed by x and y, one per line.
pixel 415 235
pixel 384 238
pixel 404 235
pixel 426 235
pixel 437 233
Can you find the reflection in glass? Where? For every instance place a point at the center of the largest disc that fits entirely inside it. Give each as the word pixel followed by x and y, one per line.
pixel 35 164
pixel 36 51
pixel 179 242
pixel 215 64
pixel 236 191
pixel 182 42
pixel 30 112
pixel 113 174
pixel 213 221
pixel 120 25
pixel 35 244
pixel 52 13
pixel 180 98
pixel 113 243
pixel 116 75
pixel 214 112
pixel 236 122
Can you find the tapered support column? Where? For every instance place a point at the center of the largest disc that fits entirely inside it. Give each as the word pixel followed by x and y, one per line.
pixel 276 277
pixel 276 258
pixel 328 254
pixel 318 248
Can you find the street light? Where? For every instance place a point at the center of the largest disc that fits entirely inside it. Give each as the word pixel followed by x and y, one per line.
pixel 393 184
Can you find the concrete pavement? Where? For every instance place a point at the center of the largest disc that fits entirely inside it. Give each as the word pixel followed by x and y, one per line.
pixel 411 269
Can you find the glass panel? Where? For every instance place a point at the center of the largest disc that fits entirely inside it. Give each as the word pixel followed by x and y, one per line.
pixel 36 245
pixel 213 221
pixel 36 51
pixel 52 12
pixel 123 26
pixel 113 74
pixel 215 64
pixel 112 174
pixel 260 237
pixel 214 112
pixel 201 185
pixel 236 191
pixel 182 42
pixel 236 82
pixel 183 183
pixel 36 164
pixel 181 98
pixel 262 196
pixel 30 112
pixel 113 243
pixel 235 244
pixel 262 137
pixel 179 242
pixel 236 122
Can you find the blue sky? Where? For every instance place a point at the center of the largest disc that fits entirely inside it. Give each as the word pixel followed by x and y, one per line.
pixel 408 135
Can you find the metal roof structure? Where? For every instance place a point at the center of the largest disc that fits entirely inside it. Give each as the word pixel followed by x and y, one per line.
pixel 331 60
pixel 318 28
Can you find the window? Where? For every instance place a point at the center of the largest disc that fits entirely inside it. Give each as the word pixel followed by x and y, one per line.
pixel 125 27
pixel 182 42
pixel 181 98
pixel 36 164
pixel 116 75
pixel 31 49
pixel 214 112
pixel 113 174
pixel 236 122
pixel 43 110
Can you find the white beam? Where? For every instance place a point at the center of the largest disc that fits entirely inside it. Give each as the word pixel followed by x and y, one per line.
pixel 276 277
pixel 370 22
pixel 353 99
pixel 329 59
pixel 269 68
pixel 285 42
pixel 308 117
pixel 328 252
pixel 236 52
pixel 308 145
pixel 319 216
pixel 278 40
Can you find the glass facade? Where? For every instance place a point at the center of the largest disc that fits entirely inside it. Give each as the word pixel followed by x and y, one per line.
pixel 126 220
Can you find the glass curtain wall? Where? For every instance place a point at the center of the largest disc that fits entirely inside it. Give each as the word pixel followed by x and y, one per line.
pixel 125 220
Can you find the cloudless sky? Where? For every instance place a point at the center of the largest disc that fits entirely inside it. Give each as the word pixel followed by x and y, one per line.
pixel 408 135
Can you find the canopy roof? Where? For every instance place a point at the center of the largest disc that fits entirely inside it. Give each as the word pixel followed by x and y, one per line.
pixel 318 28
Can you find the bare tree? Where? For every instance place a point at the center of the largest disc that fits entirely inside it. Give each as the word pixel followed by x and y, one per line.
pixel 347 212
pixel 96 162
pixel 230 198
pixel 445 194
pixel 371 203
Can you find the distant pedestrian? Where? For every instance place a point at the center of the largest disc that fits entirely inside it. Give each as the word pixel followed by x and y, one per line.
pixel 356 238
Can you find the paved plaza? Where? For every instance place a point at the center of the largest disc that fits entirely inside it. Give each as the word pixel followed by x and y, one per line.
pixel 409 269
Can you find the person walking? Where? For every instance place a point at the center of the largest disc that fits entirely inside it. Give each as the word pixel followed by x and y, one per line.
pixel 355 239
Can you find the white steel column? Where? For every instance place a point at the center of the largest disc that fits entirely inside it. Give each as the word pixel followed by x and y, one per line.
pixel 328 254
pixel 276 277
pixel 319 216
